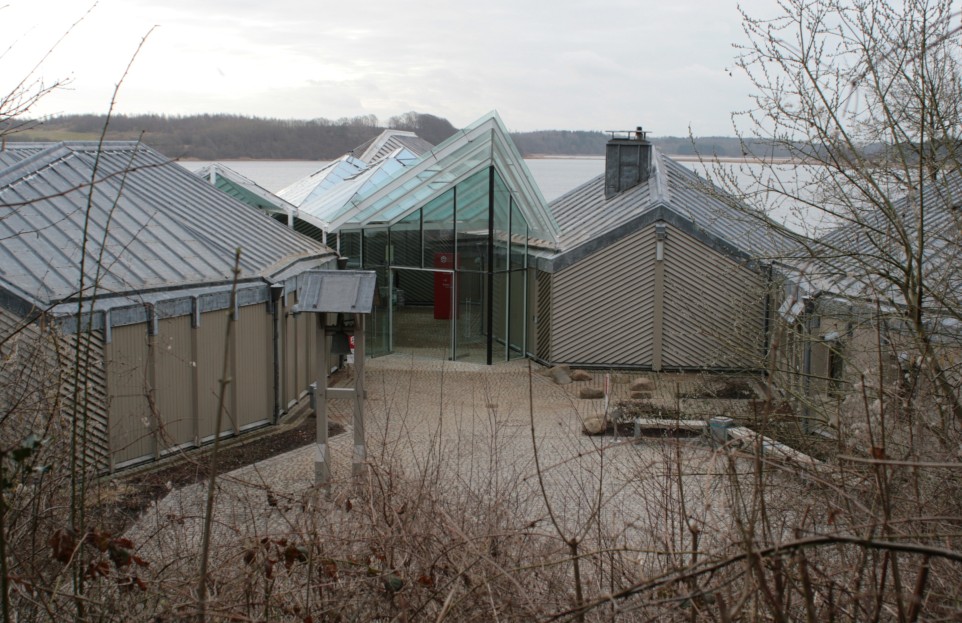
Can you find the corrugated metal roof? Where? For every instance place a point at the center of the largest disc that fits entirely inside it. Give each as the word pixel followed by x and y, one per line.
pixel 244 189
pixel 151 225
pixel 584 214
pixel 18 152
pixel 864 257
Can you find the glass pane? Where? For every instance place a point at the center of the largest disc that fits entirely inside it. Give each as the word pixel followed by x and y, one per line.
pixel 377 330
pixel 472 213
pixel 471 344
pixel 375 249
pixel 519 238
pixel 350 247
pixel 502 223
pixel 406 241
pixel 438 223
pixel 423 327
pixel 499 314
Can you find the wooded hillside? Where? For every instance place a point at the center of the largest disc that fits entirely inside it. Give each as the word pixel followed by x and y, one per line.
pixel 228 137
pixel 231 137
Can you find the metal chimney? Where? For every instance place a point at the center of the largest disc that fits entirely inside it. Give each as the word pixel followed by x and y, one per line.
pixel 627 161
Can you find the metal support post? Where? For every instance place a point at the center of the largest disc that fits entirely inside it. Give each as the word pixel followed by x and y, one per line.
pixel 360 448
pixel 322 459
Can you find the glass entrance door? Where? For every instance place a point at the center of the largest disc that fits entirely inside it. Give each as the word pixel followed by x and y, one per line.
pixel 423 312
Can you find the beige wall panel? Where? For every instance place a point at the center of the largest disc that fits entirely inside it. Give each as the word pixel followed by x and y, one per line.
pixel 601 307
pixel 131 422
pixel 210 362
pixel 255 378
pixel 714 308
pixel 34 376
pixel 173 377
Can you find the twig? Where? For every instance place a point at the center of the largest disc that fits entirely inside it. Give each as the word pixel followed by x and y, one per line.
pixel 225 380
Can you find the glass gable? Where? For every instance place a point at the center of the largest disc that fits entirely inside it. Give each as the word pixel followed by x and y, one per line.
pixel 448 240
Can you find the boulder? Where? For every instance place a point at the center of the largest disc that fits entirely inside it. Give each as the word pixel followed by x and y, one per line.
pixel 641 395
pixel 643 384
pixel 580 375
pixel 591 393
pixel 595 425
pixel 559 374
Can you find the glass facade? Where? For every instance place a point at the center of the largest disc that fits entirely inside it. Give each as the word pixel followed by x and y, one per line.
pixel 451 274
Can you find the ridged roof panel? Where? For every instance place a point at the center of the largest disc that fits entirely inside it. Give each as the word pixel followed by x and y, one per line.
pixel 151 224
pixel 865 257
pixel 390 141
pixel 584 214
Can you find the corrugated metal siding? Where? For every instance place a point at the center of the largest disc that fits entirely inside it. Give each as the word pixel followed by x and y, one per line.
pixel 173 382
pixel 37 386
pixel 131 420
pixel 29 379
pixel 543 343
pixel 714 308
pixel 601 306
pixel 210 362
pixel 88 348
pixel 255 374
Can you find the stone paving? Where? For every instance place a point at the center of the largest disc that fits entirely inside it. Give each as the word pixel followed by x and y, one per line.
pixel 466 427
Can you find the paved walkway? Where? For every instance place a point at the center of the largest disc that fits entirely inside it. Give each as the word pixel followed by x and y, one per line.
pixel 467 429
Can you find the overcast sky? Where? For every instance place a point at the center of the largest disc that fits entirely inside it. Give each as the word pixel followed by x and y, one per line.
pixel 542 64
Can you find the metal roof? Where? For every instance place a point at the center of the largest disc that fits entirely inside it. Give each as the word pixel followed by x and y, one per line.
pixel 11 154
pixel 150 223
pixel 864 258
pixel 672 192
pixel 244 189
pixel 336 291
pixel 390 141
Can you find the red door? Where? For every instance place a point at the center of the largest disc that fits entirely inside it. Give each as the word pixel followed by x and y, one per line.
pixel 443 282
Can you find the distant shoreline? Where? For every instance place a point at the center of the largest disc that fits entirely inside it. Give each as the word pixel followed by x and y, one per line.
pixel 678 157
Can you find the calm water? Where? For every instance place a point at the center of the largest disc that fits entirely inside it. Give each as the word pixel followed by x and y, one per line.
pixel 556 176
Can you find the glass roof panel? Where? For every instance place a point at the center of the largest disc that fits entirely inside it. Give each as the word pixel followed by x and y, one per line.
pixel 486 142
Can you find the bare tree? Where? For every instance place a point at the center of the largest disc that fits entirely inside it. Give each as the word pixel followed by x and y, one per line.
pixel 866 95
